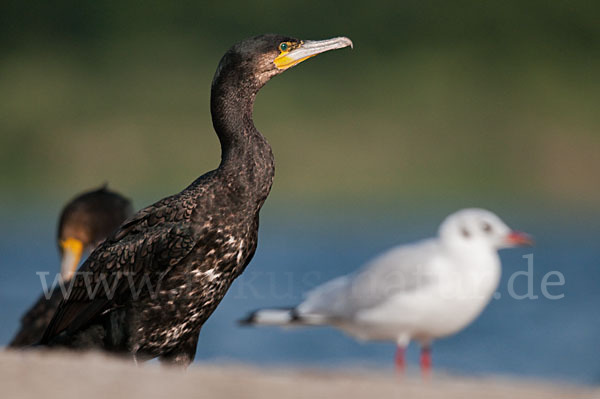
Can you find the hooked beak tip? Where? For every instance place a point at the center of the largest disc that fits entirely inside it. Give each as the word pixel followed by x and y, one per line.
pixel 346 41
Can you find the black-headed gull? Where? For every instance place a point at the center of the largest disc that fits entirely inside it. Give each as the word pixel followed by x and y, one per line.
pixel 420 291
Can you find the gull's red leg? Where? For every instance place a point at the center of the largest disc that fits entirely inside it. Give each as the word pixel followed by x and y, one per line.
pixel 426 363
pixel 400 362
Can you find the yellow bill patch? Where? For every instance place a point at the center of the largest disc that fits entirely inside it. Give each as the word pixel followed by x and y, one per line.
pixel 72 251
pixel 72 245
pixel 284 60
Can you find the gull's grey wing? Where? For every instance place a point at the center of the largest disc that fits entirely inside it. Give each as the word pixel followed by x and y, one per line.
pixel 401 270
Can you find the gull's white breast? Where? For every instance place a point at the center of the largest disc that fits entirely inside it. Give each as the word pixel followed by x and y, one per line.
pixel 456 288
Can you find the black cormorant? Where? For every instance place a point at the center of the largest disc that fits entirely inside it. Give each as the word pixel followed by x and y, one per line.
pixel 165 270
pixel 85 221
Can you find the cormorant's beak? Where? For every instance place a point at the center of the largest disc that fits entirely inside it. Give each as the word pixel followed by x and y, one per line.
pixel 72 251
pixel 517 238
pixel 307 49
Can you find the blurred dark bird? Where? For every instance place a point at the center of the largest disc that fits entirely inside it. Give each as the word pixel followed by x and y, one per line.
pixel 84 222
pixel 165 270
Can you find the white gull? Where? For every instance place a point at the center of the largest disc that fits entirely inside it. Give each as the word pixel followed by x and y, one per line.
pixel 420 291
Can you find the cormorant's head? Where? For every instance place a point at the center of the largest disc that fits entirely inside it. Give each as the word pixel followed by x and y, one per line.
pixel 256 60
pixel 87 220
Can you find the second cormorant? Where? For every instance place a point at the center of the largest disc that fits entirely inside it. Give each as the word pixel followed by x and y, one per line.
pixel 163 273
pixel 85 221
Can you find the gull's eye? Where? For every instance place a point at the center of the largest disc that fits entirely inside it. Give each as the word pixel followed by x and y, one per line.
pixel 487 227
pixel 284 47
pixel 465 233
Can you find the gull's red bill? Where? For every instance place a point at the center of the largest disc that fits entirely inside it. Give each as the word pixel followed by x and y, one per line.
pixel 518 238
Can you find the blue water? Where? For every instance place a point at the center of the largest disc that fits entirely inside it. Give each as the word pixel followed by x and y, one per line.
pixel 543 338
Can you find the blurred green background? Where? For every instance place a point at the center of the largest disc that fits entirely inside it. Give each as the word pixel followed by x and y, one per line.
pixel 468 102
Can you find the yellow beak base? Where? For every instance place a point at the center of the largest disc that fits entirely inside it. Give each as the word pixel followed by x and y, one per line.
pixel 72 251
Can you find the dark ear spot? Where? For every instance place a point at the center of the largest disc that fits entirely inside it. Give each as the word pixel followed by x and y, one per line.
pixel 465 232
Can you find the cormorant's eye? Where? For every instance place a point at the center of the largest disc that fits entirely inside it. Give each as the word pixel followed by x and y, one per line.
pixel 284 47
pixel 487 228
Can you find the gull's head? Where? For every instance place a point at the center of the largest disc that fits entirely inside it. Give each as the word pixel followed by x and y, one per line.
pixel 473 227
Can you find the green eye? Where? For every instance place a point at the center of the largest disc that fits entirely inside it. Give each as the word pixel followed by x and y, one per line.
pixel 284 46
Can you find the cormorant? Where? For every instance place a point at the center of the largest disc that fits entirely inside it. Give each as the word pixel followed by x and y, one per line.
pixel 166 269
pixel 85 221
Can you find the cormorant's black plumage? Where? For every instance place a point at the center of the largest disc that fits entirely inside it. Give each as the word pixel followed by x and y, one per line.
pixel 89 218
pixel 169 266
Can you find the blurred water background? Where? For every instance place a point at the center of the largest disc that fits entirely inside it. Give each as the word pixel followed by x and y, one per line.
pixel 441 105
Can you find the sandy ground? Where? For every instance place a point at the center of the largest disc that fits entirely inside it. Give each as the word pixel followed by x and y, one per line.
pixel 90 376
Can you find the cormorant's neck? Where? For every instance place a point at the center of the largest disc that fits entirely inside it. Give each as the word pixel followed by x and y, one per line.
pixel 245 154
pixel 231 110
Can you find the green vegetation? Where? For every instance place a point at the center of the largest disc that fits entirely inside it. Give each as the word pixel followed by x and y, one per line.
pixel 437 100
